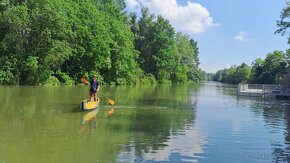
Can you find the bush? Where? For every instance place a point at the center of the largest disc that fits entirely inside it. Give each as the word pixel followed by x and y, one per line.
pixel 148 79
pixel 64 78
pixel 180 75
pixel 165 81
pixel 52 81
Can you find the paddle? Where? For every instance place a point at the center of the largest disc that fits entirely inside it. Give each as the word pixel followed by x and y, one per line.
pixel 111 101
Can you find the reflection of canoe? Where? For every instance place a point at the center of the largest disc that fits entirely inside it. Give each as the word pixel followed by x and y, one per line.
pixel 90 105
pixel 90 115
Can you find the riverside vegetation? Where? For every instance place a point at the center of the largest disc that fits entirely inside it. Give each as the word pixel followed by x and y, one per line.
pixel 57 42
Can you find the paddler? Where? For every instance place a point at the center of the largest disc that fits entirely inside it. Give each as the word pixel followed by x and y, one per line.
pixel 95 86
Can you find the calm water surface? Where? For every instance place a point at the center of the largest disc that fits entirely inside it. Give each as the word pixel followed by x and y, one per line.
pixel 194 123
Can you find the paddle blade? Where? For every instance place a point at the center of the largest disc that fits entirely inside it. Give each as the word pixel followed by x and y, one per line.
pixel 84 80
pixel 111 102
pixel 111 111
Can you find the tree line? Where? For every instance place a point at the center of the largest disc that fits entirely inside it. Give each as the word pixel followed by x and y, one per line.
pixel 270 70
pixel 57 42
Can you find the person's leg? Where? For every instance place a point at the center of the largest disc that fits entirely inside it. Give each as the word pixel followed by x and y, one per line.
pixel 94 96
pixel 91 96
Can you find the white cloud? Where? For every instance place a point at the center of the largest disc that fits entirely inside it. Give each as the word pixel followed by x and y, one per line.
pixel 133 4
pixel 191 18
pixel 190 145
pixel 243 36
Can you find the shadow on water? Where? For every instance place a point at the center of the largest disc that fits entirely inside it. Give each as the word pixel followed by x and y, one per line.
pixel 75 109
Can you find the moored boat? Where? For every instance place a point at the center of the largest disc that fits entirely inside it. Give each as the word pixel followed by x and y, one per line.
pixel 90 105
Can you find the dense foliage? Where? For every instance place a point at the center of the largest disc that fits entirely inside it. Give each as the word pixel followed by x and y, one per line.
pixel 268 71
pixel 165 54
pixel 57 42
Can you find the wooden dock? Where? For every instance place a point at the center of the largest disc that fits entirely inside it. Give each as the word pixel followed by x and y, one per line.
pixel 264 90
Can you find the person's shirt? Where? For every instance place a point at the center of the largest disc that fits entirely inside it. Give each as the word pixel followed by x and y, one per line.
pixel 94 86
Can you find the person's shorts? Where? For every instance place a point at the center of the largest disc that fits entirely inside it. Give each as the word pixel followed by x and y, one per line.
pixel 91 93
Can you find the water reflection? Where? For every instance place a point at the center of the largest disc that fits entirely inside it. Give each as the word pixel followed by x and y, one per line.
pixel 206 123
pixel 90 116
pixel 276 118
pixel 110 111
pixel 185 146
pixel 164 130
pixel 88 119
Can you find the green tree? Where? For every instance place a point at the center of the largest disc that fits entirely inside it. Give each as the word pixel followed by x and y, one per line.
pixel 284 22
pixel 164 49
pixel 14 31
pixel 275 66
pixel 268 71
pixel 186 66
pixel 258 69
pixel 124 68
pixel 57 42
pixel 244 73
pixel 218 76
pixel 143 42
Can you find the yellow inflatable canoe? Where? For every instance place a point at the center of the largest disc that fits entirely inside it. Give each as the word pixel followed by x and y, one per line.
pixel 89 105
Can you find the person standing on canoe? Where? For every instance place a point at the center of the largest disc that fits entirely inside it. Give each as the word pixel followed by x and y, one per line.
pixel 95 86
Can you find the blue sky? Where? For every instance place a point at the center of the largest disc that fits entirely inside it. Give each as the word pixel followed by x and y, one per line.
pixel 228 32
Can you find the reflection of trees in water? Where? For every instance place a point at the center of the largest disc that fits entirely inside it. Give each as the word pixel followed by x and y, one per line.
pixel 276 115
pixel 227 89
pixel 129 94
pixel 281 152
pixel 42 115
pixel 40 125
pixel 168 110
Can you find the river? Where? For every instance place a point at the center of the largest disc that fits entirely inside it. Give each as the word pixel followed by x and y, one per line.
pixel 181 123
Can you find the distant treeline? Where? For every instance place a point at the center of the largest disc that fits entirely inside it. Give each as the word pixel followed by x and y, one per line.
pixel 45 42
pixel 270 70
pixel 262 71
